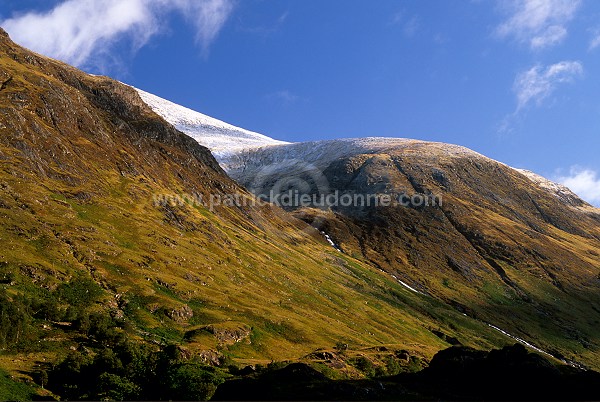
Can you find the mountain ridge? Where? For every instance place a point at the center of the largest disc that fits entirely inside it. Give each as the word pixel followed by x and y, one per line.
pixel 220 137
pixel 227 152
pixel 501 235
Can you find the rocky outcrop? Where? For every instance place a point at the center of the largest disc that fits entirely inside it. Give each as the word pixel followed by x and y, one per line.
pixel 180 315
pixel 228 333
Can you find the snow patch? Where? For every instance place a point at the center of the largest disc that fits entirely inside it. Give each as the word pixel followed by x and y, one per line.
pixel 220 137
pixel 322 153
pixel 558 190
pixel 331 242
pixel 407 286
pixel 522 341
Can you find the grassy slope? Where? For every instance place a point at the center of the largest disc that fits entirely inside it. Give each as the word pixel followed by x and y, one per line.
pixel 11 390
pixel 80 160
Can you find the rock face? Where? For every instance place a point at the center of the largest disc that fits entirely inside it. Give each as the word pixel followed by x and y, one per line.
pixel 61 122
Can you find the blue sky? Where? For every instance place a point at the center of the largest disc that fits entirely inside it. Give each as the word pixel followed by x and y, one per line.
pixel 516 80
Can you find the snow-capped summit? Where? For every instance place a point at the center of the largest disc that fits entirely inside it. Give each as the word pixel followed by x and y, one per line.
pixel 243 153
pixel 220 137
pixel 321 154
pixel 558 190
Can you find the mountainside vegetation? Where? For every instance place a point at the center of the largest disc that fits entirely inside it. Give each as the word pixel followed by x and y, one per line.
pixel 480 236
pixel 88 257
pixel 108 291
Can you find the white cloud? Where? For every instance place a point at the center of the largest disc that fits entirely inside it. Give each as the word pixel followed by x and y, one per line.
pixel 411 27
pixel 208 16
pixel 537 83
pixel 284 97
pixel 595 42
pixel 269 28
pixel 538 23
pixel 551 36
pixel 583 182
pixel 82 32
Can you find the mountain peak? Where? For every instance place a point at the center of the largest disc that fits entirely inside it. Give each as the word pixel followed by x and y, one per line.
pixel 220 137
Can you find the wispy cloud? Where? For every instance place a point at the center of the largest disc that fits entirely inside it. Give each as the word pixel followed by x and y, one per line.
pixel 539 82
pixel 83 32
pixel 208 17
pixel 583 182
pixel 267 29
pixel 284 97
pixel 410 25
pixel 595 42
pixel 534 86
pixel 538 23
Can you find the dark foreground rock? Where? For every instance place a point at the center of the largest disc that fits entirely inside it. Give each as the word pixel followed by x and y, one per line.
pixel 457 373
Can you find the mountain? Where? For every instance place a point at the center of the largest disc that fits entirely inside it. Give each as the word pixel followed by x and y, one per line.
pixel 109 241
pixel 220 137
pixel 133 265
pixel 505 246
